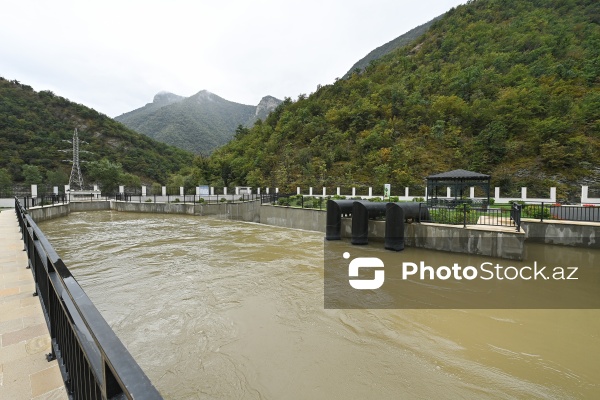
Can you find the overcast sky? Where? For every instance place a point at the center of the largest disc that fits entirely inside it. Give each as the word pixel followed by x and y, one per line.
pixel 115 55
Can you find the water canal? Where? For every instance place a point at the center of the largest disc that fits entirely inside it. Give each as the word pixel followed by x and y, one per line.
pixel 225 310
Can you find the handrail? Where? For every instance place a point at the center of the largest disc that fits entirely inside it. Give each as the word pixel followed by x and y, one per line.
pixel 93 362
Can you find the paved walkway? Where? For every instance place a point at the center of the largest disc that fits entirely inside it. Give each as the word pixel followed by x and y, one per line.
pixel 24 338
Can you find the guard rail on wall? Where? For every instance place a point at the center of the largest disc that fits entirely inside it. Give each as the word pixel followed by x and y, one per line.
pixel 93 362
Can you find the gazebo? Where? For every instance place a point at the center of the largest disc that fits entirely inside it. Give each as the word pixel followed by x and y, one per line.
pixel 458 181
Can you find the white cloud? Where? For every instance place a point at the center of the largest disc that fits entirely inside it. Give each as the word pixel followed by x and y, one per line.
pixel 115 55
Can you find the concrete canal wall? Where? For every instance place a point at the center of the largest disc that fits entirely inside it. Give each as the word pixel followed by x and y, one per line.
pixel 296 218
pixel 49 212
pixel 565 233
pixel 249 211
pixel 483 240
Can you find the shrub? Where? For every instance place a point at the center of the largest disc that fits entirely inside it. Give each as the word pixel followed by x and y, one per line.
pixel 223 200
pixel 418 199
pixel 313 202
pixel 535 211
pixel 201 200
pixel 453 216
pixel 148 200
pixel 285 201
pixel 296 200
pixel 463 207
pixel 176 200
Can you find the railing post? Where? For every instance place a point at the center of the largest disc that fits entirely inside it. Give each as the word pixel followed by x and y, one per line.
pixel 464 215
pixel 542 213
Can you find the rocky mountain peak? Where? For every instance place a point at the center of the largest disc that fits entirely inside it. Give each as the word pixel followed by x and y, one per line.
pixel 164 98
pixel 265 106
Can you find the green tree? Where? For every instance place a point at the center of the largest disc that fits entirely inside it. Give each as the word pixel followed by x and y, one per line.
pixel 32 174
pixel 57 178
pixel 130 180
pixel 5 178
pixel 156 188
pixel 107 174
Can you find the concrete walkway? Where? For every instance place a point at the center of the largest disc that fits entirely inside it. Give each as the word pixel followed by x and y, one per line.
pixel 24 338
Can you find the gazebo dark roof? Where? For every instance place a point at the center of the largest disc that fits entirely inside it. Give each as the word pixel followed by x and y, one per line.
pixel 458 180
pixel 459 174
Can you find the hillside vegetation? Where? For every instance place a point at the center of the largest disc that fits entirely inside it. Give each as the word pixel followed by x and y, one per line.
pixel 390 46
pixel 35 128
pixel 505 87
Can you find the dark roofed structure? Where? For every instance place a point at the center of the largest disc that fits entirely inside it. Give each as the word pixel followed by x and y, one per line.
pixel 457 180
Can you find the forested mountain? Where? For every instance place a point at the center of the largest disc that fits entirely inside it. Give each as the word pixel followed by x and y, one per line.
pixel 35 133
pixel 506 87
pixel 199 123
pixel 390 46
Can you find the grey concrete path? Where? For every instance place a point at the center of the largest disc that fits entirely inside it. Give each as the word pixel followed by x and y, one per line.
pixel 24 338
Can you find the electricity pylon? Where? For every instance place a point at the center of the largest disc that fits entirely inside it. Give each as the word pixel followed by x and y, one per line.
pixel 76 179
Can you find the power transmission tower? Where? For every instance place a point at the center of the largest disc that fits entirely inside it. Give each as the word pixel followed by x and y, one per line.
pixel 76 179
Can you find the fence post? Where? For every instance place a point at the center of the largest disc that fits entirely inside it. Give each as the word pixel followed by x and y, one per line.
pixel 464 215
pixel 542 213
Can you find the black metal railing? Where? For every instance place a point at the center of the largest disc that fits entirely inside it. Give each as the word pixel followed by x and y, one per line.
pixel 44 200
pixel 464 214
pixel 450 211
pixel 297 200
pixel 557 211
pixel 93 362
pixel 461 214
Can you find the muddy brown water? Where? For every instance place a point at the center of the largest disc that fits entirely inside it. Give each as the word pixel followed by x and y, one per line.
pixel 229 310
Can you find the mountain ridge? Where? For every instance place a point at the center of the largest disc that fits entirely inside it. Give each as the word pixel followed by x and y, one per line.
pixel 508 88
pixel 199 123
pixel 390 46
